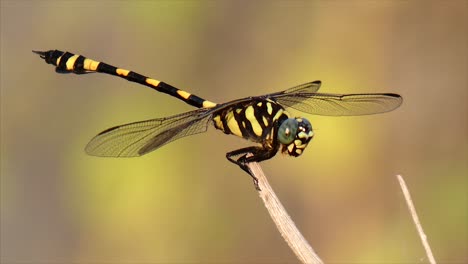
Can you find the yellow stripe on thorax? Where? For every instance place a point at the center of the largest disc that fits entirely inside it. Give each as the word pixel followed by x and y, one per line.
pixel 218 122
pixel 265 121
pixel 269 108
pixel 232 124
pixel 250 115
pixel 278 114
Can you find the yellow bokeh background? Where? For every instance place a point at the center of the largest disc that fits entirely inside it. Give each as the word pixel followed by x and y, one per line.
pixel 185 202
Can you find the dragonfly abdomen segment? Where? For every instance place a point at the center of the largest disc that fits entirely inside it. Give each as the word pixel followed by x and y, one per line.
pixel 67 62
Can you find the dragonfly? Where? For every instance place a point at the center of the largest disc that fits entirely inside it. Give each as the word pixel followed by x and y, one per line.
pixel 263 119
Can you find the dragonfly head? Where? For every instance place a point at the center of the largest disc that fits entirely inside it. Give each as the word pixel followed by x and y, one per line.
pixel 294 134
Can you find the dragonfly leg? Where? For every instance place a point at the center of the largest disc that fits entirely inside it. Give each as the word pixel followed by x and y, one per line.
pixel 258 154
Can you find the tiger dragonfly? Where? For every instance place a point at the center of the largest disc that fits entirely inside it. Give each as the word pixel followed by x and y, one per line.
pixel 260 119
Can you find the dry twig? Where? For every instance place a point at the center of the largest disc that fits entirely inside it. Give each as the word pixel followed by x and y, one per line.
pixel 412 210
pixel 283 221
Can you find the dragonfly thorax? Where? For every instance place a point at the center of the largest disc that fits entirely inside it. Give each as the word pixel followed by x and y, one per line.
pixel 294 134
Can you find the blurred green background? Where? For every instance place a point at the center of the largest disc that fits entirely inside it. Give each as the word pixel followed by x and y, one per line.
pixel 185 202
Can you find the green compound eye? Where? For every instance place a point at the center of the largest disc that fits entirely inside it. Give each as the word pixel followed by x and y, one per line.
pixel 287 131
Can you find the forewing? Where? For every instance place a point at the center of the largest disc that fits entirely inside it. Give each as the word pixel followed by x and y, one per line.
pixel 339 104
pixel 310 87
pixel 138 138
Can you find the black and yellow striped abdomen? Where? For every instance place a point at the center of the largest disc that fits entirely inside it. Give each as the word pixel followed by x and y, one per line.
pixel 254 120
pixel 67 62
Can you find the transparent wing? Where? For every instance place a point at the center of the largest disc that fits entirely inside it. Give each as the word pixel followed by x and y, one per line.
pixel 138 138
pixel 310 87
pixel 340 104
